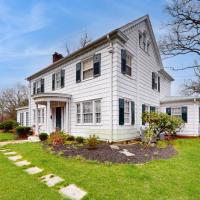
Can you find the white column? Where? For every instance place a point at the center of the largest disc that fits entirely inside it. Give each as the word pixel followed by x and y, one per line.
pixel 36 120
pixel 66 117
pixel 48 117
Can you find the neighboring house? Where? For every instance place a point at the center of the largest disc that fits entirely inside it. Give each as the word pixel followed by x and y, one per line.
pixel 102 88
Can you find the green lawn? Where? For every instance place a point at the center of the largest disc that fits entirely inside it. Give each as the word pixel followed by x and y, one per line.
pixel 6 136
pixel 175 179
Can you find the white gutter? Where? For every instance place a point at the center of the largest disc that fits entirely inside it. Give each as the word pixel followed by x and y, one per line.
pixel 111 51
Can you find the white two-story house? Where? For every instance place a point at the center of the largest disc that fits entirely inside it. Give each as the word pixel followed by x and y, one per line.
pixel 100 89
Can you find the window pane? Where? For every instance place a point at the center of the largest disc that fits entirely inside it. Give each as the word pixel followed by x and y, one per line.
pixel 87 64
pixel 127 112
pixel 88 74
pixel 78 113
pixel 88 112
pixel 98 111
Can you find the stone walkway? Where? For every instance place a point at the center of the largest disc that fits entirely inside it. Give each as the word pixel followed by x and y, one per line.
pixel 71 191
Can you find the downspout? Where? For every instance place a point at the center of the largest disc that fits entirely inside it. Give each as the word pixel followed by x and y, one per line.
pixel 111 51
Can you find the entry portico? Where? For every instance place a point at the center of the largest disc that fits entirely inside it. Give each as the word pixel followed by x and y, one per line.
pixel 57 111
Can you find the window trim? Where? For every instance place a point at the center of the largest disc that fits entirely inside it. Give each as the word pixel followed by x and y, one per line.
pixel 94 123
pixel 129 104
pixel 59 71
pixel 82 71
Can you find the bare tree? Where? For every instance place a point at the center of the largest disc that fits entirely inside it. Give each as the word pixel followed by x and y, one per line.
pixel 84 40
pixel 11 98
pixel 183 29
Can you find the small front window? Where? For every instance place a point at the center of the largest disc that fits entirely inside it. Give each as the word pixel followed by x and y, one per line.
pixel 176 112
pixel 88 112
pixel 127 112
pixel 87 68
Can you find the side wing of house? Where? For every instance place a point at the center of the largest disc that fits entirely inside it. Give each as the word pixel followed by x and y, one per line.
pixel 23 116
pixel 141 81
pixel 188 111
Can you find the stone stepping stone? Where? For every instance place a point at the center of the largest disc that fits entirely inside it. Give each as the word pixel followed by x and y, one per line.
pixel 22 163
pixel 72 192
pixel 127 153
pixel 4 150
pixel 33 170
pixel 15 158
pixel 115 147
pixel 51 180
pixel 10 153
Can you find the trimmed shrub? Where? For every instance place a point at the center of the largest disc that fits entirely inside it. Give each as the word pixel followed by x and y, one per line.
pixel 79 139
pixel 23 131
pixel 43 136
pixel 8 125
pixel 57 138
pixel 162 123
pixel 92 142
pixel 70 138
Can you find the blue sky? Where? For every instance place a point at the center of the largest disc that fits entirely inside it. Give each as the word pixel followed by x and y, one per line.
pixel 32 30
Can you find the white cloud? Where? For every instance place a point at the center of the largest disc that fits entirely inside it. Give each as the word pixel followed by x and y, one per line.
pixel 16 24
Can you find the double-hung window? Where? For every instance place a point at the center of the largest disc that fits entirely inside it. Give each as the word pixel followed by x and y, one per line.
pixel 38 86
pixel 127 112
pixel 78 113
pixel 176 112
pixel 21 119
pixel 27 119
pixel 88 112
pixel 58 80
pixel 87 68
pixel 155 82
pixel 98 111
pixel 126 62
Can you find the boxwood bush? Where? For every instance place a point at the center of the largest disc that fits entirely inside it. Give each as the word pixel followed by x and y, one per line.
pixel 8 125
pixel 79 139
pixel 23 131
pixel 43 136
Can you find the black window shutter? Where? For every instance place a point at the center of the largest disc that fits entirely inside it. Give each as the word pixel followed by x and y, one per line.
pixel 168 111
pixel 121 111
pixel 153 80
pixel 158 84
pixel 42 86
pixel 152 109
pixel 184 113
pixel 34 88
pixel 53 81
pixel 143 110
pixel 62 78
pixel 97 65
pixel 78 72
pixel 132 113
pixel 123 61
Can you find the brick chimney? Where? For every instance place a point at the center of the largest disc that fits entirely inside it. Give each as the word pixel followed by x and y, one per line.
pixel 57 56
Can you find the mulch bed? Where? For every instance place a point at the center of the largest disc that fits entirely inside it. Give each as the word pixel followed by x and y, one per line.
pixel 105 154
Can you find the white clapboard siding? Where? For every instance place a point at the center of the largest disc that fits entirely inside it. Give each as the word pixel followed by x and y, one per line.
pixel 191 128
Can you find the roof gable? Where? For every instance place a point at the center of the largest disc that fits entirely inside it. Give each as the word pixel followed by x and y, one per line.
pixel 145 19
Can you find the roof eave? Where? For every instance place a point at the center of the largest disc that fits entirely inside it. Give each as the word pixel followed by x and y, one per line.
pixel 112 35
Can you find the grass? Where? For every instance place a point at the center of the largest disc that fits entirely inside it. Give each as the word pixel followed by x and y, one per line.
pixel 6 136
pixel 177 178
